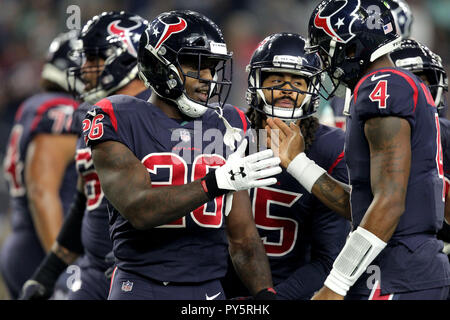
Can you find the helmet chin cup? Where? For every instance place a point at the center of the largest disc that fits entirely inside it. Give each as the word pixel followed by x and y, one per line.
pixel 189 107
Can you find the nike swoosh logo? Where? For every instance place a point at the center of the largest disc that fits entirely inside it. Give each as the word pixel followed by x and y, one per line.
pixel 375 78
pixel 92 113
pixel 212 297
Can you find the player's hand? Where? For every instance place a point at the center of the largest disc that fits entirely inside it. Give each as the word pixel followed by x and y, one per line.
pixel 327 294
pixel 285 141
pixel 241 173
pixel 33 290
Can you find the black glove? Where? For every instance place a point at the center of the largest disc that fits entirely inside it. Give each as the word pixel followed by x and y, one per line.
pixel 266 294
pixel 42 283
pixel 33 290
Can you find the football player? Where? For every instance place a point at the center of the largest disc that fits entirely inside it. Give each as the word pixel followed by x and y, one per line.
pixel 301 236
pixel 39 167
pixel 333 112
pixel 427 65
pixel 107 48
pixel 394 157
pixel 168 185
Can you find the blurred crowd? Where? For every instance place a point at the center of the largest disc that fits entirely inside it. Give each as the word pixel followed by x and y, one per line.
pixel 27 27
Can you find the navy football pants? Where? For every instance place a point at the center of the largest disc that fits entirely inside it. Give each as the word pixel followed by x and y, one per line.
pixel 129 286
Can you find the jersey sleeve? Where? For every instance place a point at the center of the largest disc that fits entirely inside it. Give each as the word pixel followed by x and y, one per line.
pixel 386 93
pixel 331 154
pixel 101 122
pixel 78 117
pixel 56 119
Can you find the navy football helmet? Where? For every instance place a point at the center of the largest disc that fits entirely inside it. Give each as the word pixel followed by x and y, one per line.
pixel 283 53
pixel 110 39
pixel 421 61
pixel 402 16
pixel 349 35
pixel 185 37
pixel 59 60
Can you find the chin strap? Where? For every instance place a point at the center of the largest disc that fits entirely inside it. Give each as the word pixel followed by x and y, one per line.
pixel 232 134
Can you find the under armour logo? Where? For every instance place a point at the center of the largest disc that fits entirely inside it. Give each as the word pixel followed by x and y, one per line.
pixel 241 172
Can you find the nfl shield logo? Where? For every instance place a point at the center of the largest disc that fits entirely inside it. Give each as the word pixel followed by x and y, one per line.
pixel 185 135
pixel 127 286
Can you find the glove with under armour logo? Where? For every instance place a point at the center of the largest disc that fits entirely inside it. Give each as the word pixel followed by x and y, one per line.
pixel 241 173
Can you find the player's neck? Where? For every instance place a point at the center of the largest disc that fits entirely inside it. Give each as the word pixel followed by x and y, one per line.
pixel 168 107
pixel 133 88
pixel 382 62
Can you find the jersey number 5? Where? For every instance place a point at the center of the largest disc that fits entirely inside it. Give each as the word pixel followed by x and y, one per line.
pixel 379 94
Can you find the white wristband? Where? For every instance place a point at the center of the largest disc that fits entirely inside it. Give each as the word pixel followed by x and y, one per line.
pixel 359 251
pixel 305 171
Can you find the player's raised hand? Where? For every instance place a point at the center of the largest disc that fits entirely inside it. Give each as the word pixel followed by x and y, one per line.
pixel 286 141
pixel 255 170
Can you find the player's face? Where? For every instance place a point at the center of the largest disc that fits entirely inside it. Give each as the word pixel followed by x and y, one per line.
pixel 196 82
pixel 91 70
pixel 284 96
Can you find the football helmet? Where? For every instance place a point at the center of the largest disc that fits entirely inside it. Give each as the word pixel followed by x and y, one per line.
pixel 421 61
pixel 59 60
pixel 185 37
pixel 402 16
pixel 283 53
pixel 109 42
pixel 349 35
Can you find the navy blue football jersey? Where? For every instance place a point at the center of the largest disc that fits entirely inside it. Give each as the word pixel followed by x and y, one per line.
pixel 445 141
pixel 95 226
pixel 301 236
pixel 337 105
pixel 175 152
pixel 412 259
pixel 45 113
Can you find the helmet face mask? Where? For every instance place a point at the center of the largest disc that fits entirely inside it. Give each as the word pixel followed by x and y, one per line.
pixel 181 49
pixel 421 61
pixel 361 35
pixel 59 60
pixel 280 71
pixel 107 51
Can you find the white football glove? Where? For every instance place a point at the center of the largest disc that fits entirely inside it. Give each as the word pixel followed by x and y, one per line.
pixel 241 173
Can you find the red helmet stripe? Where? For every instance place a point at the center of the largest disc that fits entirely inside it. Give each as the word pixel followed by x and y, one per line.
pixel 322 23
pixel 171 28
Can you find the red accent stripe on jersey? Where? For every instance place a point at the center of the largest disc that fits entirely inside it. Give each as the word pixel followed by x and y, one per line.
pixel 338 159
pixel 112 279
pixel 49 104
pixel 19 112
pixel 427 94
pixel 243 118
pixel 107 107
pixel 397 72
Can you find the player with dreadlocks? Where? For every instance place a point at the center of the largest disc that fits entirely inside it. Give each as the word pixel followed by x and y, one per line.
pixel 301 236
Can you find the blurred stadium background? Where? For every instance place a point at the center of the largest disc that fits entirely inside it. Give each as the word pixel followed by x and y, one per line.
pixel 27 28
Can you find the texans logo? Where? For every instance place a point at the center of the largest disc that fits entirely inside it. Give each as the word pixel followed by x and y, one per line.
pixel 337 25
pixel 169 29
pixel 124 34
